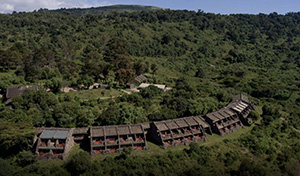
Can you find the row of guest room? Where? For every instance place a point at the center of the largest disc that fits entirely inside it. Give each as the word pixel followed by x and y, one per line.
pixel 55 143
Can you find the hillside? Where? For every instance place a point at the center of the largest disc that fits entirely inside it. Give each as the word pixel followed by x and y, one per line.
pixel 207 59
pixel 107 9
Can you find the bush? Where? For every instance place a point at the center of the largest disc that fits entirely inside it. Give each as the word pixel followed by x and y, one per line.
pixel 5 168
pixel 79 163
pixel 25 158
pixel 254 115
pixel 150 92
pixel 248 168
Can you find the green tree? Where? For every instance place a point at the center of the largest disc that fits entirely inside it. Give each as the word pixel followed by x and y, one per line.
pixel 110 78
pixel 124 76
pixel 79 163
pixel 139 68
pixel 54 84
pixel 151 92
pixel 85 81
pixel 154 68
pixel 115 46
pixel 131 115
pixel 250 168
pixel 15 137
pixel 201 73
pixel 25 158
pixel 109 117
pixel 5 168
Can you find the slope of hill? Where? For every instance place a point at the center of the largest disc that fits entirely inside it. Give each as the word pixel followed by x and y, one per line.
pixel 206 58
pixel 107 9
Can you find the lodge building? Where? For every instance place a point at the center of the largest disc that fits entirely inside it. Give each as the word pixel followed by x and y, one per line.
pixel 55 143
pixel 80 134
pixel 242 105
pixel 223 121
pixel 110 139
pixel 178 131
pixel 232 117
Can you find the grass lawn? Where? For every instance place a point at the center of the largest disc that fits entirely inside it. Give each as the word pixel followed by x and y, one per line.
pixel 96 93
pixel 213 139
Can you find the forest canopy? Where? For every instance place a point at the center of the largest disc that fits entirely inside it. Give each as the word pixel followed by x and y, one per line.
pixel 207 58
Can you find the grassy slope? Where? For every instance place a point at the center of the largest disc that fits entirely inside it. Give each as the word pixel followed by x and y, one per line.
pixel 96 93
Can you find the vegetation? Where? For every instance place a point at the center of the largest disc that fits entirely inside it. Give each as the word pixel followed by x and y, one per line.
pixel 107 9
pixel 206 58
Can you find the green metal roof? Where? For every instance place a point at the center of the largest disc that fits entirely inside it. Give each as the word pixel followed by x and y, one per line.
pixel 61 134
pixel 54 134
pixel 48 134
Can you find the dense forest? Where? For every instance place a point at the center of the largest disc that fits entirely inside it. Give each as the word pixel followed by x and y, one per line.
pixel 207 58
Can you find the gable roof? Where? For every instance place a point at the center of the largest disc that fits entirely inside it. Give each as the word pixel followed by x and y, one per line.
pixel 61 134
pixel 144 85
pixel 140 78
pixel 15 91
pixel 111 130
pixel 201 121
pixel 238 105
pixel 212 117
pixel 99 131
pixel 180 123
pixel 83 130
pixel 136 128
pixel 54 134
pixel 123 130
pixel 161 126
pixel 241 97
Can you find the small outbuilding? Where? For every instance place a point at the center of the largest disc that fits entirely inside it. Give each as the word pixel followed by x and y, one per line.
pixel 15 91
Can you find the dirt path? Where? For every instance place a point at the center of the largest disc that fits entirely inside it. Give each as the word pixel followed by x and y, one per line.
pixel 129 93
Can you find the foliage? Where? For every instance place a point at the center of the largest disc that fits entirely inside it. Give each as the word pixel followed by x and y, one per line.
pixel 151 92
pixel 15 137
pixel 206 58
pixel 123 114
pixel 254 115
pixel 5 168
pixel 79 163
